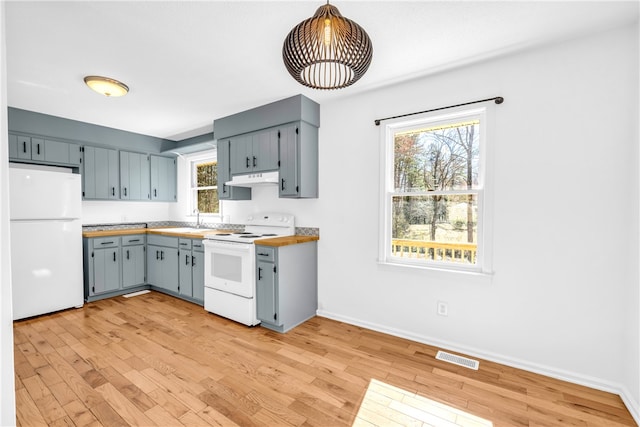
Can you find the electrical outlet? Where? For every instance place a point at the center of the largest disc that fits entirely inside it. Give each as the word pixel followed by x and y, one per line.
pixel 442 308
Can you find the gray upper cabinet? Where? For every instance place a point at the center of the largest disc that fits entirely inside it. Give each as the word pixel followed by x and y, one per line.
pixel 281 136
pixel 44 151
pixel 100 174
pixel 135 176
pixel 226 192
pixel 163 179
pixel 298 161
pixel 256 152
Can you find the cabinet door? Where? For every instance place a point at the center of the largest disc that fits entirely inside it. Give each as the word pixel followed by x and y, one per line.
pixel 265 151
pixel 224 174
pixel 100 173
pixel 163 179
pixel 266 293
pixel 185 273
pixel 24 148
pixel 133 262
pixel 56 152
pixel 241 154
pixel 37 149
pixel 13 146
pixel 197 275
pixel 125 186
pixel 169 261
pixel 288 140
pixel 106 270
pixel 154 265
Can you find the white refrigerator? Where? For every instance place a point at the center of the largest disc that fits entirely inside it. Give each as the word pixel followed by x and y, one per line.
pixel 46 239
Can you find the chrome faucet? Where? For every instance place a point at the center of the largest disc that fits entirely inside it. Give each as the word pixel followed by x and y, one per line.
pixel 197 212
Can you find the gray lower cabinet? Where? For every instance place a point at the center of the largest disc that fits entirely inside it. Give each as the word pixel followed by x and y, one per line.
pixel 113 266
pixel 162 262
pixel 287 286
pixel 100 174
pixel 133 260
pixel 44 151
pixel 191 270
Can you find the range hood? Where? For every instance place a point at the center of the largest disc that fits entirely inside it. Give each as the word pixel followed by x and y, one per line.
pixel 254 179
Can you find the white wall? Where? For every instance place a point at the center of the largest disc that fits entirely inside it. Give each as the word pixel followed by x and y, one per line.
pixel 563 299
pixel 7 402
pixel 106 212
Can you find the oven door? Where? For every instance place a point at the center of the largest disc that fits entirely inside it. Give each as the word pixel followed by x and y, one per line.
pixel 229 267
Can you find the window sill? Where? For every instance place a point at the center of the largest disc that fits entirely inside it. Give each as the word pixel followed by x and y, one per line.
pixel 445 272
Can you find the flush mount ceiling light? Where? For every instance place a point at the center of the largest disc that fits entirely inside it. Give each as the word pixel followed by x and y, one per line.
pixel 106 86
pixel 327 51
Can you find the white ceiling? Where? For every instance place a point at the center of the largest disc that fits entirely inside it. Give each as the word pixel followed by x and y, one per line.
pixel 189 62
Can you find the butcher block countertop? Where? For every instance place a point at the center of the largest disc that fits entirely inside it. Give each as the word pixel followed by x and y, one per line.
pixel 286 240
pixel 199 234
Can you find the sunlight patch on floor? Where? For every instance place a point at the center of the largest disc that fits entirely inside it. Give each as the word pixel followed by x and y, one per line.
pixel 389 406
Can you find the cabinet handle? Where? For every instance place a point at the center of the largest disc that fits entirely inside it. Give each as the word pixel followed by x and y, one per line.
pixel 113 191
pixel 282 184
pixel 127 253
pixel 193 261
pixel 247 163
pixel 24 146
pixel 224 188
pixel 125 191
pixel 161 255
pixel 254 161
pixel 106 243
pixel 38 148
pixel 259 273
pixel 114 257
pixel 157 254
pixel 155 193
pixel 186 260
pixel 263 254
pixel 134 240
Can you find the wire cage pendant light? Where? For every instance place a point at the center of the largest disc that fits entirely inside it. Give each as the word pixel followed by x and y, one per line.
pixel 327 51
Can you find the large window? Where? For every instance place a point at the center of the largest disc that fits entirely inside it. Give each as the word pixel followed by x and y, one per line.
pixel 433 192
pixel 204 185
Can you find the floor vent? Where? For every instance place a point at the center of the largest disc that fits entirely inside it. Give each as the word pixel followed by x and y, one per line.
pixel 458 360
pixel 135 294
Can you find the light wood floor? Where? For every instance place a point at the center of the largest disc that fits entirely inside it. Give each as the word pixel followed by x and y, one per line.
pixel 156 360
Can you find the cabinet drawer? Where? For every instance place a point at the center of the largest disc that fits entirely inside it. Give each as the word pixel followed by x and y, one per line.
pixel 134 239
pixel 155 239
pixel 185 244
pixel 197 245
pixel 106 242
pixel 264 253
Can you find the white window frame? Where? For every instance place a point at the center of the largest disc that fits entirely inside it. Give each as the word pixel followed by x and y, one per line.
pixel 192 161
pixel 484 190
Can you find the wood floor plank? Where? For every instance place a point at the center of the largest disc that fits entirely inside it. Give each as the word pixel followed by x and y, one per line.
pixel 154 360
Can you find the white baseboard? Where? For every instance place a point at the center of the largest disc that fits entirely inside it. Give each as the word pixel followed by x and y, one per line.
pixel 549 371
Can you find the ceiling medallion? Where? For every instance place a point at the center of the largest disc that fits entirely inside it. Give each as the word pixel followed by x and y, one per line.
pixel 106 86
pixel 327 51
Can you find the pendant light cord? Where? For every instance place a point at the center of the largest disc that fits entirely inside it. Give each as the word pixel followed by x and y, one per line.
pixel 497 99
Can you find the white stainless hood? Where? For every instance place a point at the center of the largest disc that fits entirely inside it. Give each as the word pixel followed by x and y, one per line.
pixel 254 179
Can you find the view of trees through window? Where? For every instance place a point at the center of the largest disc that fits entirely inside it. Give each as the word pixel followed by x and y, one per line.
pixel 207 187
pixel 434 202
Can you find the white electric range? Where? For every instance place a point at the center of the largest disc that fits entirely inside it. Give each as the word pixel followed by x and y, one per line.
pixel 230 266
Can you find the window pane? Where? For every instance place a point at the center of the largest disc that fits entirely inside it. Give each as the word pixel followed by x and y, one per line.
pixel 437 158
pixel 207 174
pixel 439 227
pixel 208 201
